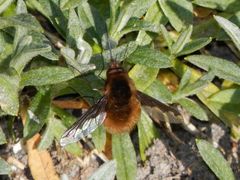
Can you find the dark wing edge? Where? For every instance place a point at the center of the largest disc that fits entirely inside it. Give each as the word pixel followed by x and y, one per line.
pixel 157 110
pixel 86 124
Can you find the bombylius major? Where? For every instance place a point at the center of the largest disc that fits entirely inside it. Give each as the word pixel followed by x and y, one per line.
pixel 118 109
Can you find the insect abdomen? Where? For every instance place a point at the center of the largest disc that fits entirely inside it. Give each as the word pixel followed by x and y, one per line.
pixel 123 108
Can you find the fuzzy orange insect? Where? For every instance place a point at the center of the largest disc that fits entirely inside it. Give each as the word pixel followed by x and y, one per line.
pixel 119 108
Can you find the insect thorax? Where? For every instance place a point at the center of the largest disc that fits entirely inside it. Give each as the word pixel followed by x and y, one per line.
pixel 120 90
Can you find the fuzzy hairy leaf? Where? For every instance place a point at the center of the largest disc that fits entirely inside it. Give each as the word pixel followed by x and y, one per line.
pixel 146 133
pixel 2 137
pixel 24 53
pixel 59 129
pixel 182 40
pixel 227 96
pixel 48 135
pixel 70 4
pixel 46 75
pixel 166 37
pixel 222 5
pixel 74 28
pixel 5 168
pixel 231 29
pixel 84 56
pixel 193 108
pixel 159 91
pixel 37 114
pixel 143 76
pixel 107 171
pixel 24 20
pixel 4 5
pixel 178 12
pixel 221 67
pixel 9 86
pixel 194 45
pixel 195 87
pixel 215 160
pixel 156 17
pixel 125 156
pixel 128 11
pixel 149 57
pixel 99 138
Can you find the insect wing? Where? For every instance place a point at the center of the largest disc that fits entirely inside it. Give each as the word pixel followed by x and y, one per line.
pixel 157 110
pixel 87 123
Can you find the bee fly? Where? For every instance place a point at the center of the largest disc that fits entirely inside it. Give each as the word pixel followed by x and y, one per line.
pixel 118 109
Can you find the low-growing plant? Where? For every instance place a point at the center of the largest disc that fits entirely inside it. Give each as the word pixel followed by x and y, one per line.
pixel 52 49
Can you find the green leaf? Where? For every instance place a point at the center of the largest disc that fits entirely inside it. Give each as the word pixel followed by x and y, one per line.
pixel 185 79
pixel 114 9
pixel 156 17
pixel 66 118
pixel 84 89
pixel 194 87
pixel 226 102
pixel 59 129
pixel 221 67
pixel 149 57
pixel 91 22
pixel 74 29
pixel 2 137
pixel 85 52
pixel 222 5
pixel 70 4
pixel 182 40
pixel 231 29
pixel 24 53
pixel 4 5
pixel 143 76
pixel 124 153
pixel 50 55
pixel 20 31
pixel 46 75
pixel 159 91
pixel 128 11
pixel 24 20
pixel 206 29
pixel 37 114
pixel 119 53
pixel 193 108
pixel 135 24
pixel 178 12
pixel 146 133
pixel 194 45
pixel 229 115
pixel 52 11
pixel 210 28
pixel 34 4
pixel 166 37
pixel 227 96
pixel 5 168
pixel 6 49
pixel 107 171
pixel 84 56
pixel 21 7
pixel 99 138
pixel 215 160
pixel 61 126
pixel 9 86
pixel 48 135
